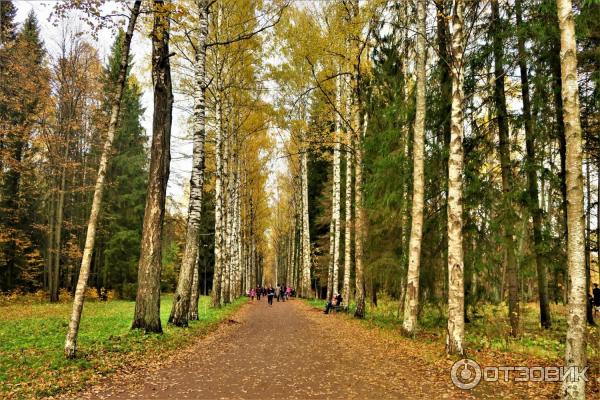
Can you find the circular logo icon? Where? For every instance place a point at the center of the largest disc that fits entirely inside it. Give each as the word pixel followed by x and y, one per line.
pixel 466 374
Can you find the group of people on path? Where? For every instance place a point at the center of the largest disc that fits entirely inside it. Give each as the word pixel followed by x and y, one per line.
pixel 281 292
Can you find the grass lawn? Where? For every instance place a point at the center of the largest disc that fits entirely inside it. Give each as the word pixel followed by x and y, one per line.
pixel 32 336
pixel 488 330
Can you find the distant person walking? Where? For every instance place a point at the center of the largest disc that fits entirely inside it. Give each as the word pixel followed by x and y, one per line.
pixel 278 292
pixel 270 294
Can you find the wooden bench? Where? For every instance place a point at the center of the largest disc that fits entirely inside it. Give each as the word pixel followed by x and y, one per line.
pixel 337 308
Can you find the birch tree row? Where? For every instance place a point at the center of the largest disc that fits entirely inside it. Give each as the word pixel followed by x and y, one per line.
pixel 403 146
pixel 430 154
pixel 241 149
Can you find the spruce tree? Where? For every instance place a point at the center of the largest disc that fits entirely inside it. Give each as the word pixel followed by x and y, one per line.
pixel 126 190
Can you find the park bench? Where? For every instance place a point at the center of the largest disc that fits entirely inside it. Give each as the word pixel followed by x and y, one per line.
pixel 337 308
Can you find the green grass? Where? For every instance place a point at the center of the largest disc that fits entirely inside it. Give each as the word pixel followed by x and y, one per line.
pixel 32 338
pixel 488 330
pixel 315 303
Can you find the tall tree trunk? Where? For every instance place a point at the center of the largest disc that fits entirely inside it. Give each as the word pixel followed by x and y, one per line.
pixel 411 303
pixel 218 272
pixel 57 234
pixel 88 251
pixel 334 236
pixel 181 301
pixel 360 218
pixel 305 227
pixel 575 350
pixel 531 169
pixel 588 215
pixel 238 232
pixel 147 303
pixel 337 186
pixel 331 251
pixel 49 242
pixel 346 292
pixel 407 50
pixel 50 245
pixel 251 259
pixel 235 237
pixel 512 273
pixel 195 291
pixel 446 108
pixel 298 276
pixel 292 250
pixel 456 291
pixel 227 218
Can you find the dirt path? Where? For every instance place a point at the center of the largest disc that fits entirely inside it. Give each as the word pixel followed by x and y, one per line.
pixel 292 351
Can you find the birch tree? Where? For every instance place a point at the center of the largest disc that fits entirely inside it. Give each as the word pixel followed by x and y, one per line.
pixel 226 211
pixel 348 209
pixel 218 274
pixel 195 291
pixel 305 227
pixel 181 300
pixel 575 350
pixel 84 272
pixel 334 236
pixel 337 184
pixel 456 291
pixel 411 303
pixel 357 129
pixel 359 219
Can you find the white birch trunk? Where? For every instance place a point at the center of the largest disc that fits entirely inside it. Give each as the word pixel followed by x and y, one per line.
pixel 181 300
pixel 456 295
pixel 227 219
pixel 84 272
pixel 575 349
pixel 348 225
pixel 217 299
pixel 337 186
pixel 331 251
pixel 305 227
pixel 411 303
pixel 292 249
pixel 359 219
pixel 237 235
pixel 195 292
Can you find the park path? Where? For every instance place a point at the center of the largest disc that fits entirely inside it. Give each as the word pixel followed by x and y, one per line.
pixel 292 351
